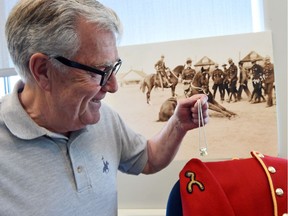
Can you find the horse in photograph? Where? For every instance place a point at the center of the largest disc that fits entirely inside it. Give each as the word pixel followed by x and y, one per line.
pixel 167 109
pixel 200 85
pixel 152 80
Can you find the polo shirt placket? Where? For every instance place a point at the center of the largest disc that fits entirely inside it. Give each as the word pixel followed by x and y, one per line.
pixel 78 164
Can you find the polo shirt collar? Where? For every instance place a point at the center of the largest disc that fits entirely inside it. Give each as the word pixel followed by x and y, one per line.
pixel 18 121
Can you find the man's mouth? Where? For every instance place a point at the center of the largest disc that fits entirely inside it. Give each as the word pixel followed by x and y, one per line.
pixel 95 100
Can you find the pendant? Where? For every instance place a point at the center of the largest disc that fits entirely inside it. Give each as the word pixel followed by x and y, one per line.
pixel 203 151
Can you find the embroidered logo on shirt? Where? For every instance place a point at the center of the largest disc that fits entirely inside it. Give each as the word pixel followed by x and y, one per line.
pixel 105 167
pixel 192 182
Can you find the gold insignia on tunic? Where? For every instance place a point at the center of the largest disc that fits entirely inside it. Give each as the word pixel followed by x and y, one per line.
pixel 193 181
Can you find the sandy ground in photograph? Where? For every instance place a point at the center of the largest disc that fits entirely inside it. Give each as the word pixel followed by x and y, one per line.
pixel 254 127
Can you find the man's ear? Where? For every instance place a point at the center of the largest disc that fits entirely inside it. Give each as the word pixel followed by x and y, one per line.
pixel 39 67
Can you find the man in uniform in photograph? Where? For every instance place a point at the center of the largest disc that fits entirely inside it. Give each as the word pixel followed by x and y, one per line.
pixel 187 76
pixel 243 81
pixel 268 71
pixel 225 80
pixel 257 78
pixel 232 77
pixel 161 72
pixel 218 77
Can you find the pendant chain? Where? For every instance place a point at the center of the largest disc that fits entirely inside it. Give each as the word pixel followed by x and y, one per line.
pixel 202 135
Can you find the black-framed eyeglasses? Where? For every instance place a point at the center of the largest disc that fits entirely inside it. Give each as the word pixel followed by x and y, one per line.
pixel 105 74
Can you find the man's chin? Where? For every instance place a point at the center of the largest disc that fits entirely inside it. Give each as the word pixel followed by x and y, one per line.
pixel 90 119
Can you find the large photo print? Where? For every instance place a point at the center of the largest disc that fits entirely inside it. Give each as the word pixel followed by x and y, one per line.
pixel 237 74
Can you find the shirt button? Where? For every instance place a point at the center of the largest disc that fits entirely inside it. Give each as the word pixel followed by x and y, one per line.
pixel 80 169
pixel 271 169
pixel 279 192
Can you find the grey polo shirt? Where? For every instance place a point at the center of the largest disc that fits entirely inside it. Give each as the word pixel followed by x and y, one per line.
pixel 43 173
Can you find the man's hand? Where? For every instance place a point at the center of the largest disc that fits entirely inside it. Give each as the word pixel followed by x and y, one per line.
pixel 186 112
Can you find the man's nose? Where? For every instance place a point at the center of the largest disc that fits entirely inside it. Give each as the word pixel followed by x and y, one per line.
pixel 111 85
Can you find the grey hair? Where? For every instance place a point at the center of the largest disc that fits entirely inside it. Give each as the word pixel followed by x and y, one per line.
pixel 50 27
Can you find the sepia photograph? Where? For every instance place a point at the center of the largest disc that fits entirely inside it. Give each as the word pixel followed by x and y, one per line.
pixel 235 72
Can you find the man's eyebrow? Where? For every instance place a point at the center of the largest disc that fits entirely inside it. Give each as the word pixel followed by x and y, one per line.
pixel 99 66
pixel 106 64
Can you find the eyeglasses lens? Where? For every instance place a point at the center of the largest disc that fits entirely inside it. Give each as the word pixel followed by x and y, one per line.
pixel 110 70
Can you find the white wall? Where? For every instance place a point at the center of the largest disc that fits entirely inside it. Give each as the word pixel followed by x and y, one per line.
pixel 275 13
pixel 153 191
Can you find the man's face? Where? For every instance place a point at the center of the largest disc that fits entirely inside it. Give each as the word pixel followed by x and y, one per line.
pixel 76 95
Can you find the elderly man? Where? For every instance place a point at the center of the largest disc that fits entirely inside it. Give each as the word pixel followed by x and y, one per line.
pixel 60 145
